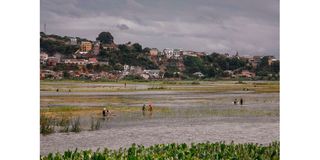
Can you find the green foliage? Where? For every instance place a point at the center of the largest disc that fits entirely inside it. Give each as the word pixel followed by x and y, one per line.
pixel 264 69
pixel 66 67
pixel 133 77
pixel 132 56
pixel 75 125
pixel 193 64
pixel 275 67
pixel 146 50
pixel 195 83
pixel 64 123
pixel 59 45
pixel 105 38
pixel 46 125
pixel 95 124
pixel 207 151
pixel 137 47
pixel 212 66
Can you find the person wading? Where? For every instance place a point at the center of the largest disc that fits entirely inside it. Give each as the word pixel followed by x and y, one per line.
pixel 241 101
pixel 144 107
pixel 150 107
pixel 235 101
pixel 104 112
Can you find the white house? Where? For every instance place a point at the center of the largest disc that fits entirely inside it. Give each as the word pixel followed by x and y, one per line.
pixel 43 57
pixel 154 73
pixel 168 52
pixel 73 41
pixel 199 74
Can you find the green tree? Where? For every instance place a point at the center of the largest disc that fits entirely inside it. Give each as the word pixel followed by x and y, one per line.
pixel 193 64
pixel 146 50
pixel 66 74
pixel 105 38
pixel 275 67
pixel 137 47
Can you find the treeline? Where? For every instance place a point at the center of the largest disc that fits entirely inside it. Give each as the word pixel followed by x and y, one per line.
pixel 53 44
pixel 211 66
pixel 132 55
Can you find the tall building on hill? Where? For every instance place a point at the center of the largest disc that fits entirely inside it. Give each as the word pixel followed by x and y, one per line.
pixel 153 52
pixel 96 48
pixel 85 46
pixel 73 41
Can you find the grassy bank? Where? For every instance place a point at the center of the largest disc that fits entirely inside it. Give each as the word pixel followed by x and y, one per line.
pixel 198 151
pixel 67 118
pixel 199 86
pixel 73 111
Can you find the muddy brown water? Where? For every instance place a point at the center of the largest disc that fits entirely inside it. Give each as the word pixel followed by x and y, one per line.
pixel 189 120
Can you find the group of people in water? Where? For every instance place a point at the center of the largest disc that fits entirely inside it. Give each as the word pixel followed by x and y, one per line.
pixel 107 112
pixel 147 108
pixel 238 102
pixel 144 108
pixel 58 90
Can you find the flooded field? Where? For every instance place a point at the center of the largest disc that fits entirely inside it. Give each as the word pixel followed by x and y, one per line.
pixel 183 113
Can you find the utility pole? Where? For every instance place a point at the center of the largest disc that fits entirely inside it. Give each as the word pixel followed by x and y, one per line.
pixel 45 28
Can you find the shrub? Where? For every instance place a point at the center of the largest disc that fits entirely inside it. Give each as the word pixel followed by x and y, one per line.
pixel 195 83
pixel 95 124
pixel 46 125
pixel 75 125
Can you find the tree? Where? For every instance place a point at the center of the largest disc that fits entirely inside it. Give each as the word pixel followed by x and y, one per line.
pixel 66 74
pixel 118 67
pixel 264 62
pixel 89 66
pixel 193 64
pixel 42 34
pixel 105 38
pixel 275 67
pixel 146 50
pixel 137 47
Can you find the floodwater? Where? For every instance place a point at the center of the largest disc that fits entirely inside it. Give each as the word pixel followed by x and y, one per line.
pixel 193 117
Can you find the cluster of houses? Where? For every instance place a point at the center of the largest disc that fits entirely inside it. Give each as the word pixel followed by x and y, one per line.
pixel 54 60
pixel 255 60
pixel 49 74
pixel 170 53
pixel 88 51
pixel 144 73
pixel 242 73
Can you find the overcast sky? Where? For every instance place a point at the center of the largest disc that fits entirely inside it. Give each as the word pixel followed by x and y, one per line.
pixel 250 27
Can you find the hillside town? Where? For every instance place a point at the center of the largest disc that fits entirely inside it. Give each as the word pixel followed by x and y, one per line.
pixel 76 58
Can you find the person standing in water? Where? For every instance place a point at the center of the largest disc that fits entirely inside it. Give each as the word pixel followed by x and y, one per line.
pixel 150 107
pixel 235 101
pixel 104 112
pixel 144 110
pixel 144 107
pixel 241 101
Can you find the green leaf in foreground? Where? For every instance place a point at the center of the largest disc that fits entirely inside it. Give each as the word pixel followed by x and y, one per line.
pixel 219 150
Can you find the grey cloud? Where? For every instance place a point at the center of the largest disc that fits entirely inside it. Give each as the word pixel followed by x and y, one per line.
pixel 122 27
pixel 247 26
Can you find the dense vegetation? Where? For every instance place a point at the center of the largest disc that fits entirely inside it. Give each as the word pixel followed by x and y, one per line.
pixel 132 55
pixel 52 47
pixel 207 151
pixel 211 66
pixel 105 38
